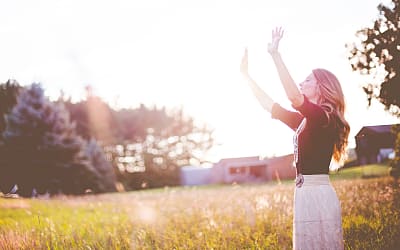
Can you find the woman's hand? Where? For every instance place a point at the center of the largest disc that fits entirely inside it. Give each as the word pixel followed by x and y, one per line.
pixel 299 180
pixel 264 99
pixel 244 65
pixel 277 35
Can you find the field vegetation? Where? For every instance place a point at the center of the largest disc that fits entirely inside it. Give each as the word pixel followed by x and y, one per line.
pixel 206 217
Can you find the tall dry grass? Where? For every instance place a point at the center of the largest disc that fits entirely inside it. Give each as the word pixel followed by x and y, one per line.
pixel 216 217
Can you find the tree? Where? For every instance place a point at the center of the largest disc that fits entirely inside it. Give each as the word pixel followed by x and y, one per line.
pixel 157 143
pixel 395 171
pixel 377 53
pixel 42 152
pixel 94 118
pixel 153 139
pixel 8 98
pixel 101 166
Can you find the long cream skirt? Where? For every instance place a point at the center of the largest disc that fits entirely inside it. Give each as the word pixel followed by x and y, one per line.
pixel 317 220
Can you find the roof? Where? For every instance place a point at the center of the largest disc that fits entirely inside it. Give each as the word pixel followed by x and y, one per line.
pixel 257 163
pixel 377 129
pixel 279 157
pixel 239 159
pixel 252 161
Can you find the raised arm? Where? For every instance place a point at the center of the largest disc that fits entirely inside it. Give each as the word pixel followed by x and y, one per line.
pixel 262 97
pixel 291 89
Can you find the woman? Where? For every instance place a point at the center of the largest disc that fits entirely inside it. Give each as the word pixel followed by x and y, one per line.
pixel 321 133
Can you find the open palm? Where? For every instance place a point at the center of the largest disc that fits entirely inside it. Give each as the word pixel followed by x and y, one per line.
pixel 277 35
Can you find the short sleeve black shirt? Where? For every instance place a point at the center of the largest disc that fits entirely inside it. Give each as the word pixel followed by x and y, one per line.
pixel 314 136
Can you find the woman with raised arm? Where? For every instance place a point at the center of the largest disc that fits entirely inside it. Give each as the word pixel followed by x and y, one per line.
pixel 320 135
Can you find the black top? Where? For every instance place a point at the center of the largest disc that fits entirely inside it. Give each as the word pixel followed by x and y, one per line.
pixel 314 136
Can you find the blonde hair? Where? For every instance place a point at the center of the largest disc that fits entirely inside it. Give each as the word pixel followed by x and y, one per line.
pixel 331 98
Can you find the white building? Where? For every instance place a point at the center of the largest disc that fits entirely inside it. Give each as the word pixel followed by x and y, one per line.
pixel 196 175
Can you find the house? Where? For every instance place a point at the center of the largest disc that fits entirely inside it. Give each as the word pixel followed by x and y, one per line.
pixel 244 169
pixel 281 167
pixel 240 170
pixel 253 169
pixel 374 144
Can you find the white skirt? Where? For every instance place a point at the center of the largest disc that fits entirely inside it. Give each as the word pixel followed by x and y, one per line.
pixel 317 220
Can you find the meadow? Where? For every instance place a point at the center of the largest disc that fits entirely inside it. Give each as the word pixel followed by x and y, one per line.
pixel 207 217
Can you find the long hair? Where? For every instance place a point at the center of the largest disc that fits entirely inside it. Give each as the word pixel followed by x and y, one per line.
pixel 332 99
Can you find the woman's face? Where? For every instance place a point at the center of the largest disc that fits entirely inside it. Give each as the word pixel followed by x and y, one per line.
pixel 309 88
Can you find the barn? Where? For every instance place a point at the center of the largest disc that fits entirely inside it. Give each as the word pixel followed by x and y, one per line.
pixel 374 144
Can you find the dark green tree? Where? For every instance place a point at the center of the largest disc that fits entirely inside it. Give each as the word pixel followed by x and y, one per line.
pixel 376 53
pixel 8 98
pixel 101 166
pixel 42 152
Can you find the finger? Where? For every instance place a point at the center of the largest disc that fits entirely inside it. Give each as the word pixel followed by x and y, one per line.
pixel 244 57
pixel 280 32
pixel 245 53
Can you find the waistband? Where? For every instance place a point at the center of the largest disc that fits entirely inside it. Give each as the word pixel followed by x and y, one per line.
pixel 315 180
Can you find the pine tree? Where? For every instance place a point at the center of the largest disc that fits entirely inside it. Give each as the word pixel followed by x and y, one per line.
pixel 8 99
pixel 43 148
pixel 103 168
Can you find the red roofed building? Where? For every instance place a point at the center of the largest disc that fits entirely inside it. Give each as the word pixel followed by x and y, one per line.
pixel 253 169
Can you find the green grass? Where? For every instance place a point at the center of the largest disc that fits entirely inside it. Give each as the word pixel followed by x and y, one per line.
pixel 220 217
pixel 367 171
pixel 62 224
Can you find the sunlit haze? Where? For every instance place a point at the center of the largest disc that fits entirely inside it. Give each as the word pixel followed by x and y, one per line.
pixel 187 54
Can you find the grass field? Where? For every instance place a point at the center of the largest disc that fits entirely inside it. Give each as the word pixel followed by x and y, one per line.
pixel 368 171
pixel 217 217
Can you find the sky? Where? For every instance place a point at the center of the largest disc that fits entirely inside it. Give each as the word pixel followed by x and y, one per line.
pixel 184 53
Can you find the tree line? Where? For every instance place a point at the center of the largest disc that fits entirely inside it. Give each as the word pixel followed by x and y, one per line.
pixel 87 146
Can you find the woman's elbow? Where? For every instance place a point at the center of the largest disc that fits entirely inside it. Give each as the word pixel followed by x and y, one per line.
pixel 267 105
pixel 296 100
